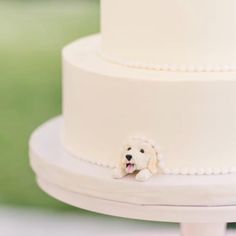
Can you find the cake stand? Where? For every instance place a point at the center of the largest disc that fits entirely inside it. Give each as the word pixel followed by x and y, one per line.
pixel 201 204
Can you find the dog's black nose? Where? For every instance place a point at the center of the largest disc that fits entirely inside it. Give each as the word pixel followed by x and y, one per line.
pixel 128 157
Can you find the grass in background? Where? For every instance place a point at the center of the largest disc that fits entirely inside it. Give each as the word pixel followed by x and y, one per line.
pixel 31 37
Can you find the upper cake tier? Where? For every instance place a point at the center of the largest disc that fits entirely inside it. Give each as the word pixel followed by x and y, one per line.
pixel 185 35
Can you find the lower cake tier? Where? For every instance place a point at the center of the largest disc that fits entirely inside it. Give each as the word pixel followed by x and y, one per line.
pixel 190 116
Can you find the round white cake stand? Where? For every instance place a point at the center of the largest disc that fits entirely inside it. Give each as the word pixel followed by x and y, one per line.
pixel 202 204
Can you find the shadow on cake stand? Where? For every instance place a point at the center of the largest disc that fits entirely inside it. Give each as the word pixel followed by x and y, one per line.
pixel 202 204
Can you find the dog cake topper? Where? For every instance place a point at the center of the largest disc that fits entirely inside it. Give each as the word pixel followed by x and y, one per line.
pixel 139 156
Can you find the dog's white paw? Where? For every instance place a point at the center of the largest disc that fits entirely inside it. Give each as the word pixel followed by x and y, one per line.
pixel 117 173
pixel 143 175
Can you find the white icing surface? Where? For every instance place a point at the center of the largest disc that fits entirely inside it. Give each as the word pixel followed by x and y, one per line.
pixel 177 35
pixel 191 115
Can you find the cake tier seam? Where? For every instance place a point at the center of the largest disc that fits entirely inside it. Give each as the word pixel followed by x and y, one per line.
pixel 167 67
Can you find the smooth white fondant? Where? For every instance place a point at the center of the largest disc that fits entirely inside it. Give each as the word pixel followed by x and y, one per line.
pixel 177 35
pixel 54 165
pixel 191 115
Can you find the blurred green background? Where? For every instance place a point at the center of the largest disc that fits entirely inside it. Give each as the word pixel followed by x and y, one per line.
pixel 32 34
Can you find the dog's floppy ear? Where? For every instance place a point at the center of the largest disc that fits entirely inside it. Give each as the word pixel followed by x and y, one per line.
pixel 121 165
pixel 119 171
pixel 152 164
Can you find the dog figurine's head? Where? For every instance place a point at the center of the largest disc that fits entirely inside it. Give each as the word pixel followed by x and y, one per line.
pixel 139 154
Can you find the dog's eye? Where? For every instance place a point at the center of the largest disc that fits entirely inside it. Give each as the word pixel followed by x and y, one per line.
pixel 129 148
pixel 141 150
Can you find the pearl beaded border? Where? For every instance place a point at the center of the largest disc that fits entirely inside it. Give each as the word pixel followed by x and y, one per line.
pixel 171 68
pixel 162 166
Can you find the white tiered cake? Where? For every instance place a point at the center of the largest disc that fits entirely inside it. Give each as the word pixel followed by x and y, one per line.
pixel 161 69
pixel 159 81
